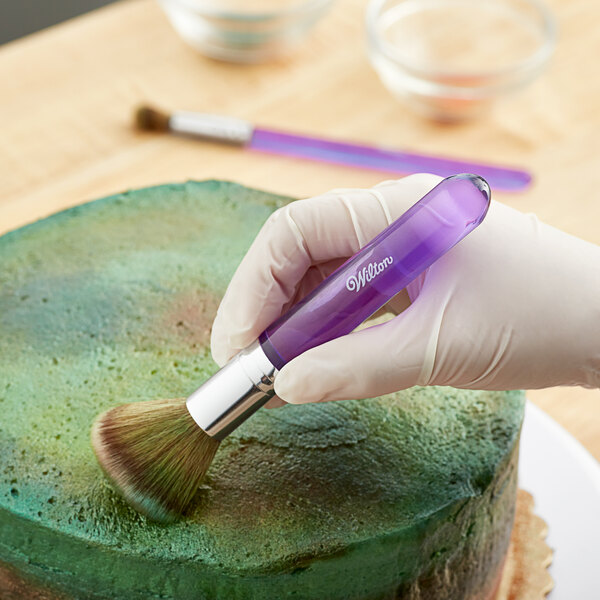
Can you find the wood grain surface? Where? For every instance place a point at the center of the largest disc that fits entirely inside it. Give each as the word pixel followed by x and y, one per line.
pixel 68 92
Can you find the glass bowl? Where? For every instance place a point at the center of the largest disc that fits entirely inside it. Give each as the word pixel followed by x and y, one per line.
pixel 449 59
pixel 244 30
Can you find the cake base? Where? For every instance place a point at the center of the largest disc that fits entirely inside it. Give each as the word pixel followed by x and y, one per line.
pixel 524 577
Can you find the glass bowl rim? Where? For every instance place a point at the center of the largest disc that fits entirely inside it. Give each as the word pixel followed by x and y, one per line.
pixel 530 63
pixel 298 8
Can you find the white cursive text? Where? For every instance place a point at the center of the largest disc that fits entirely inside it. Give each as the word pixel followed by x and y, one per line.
pixel 355 282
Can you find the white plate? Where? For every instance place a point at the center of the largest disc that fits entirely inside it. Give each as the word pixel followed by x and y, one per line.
pixel 564 480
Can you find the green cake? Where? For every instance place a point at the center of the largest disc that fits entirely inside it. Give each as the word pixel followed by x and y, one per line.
pixel 407 496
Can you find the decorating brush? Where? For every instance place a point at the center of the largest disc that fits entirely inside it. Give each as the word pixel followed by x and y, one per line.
pixel 156 453
pixel 242 133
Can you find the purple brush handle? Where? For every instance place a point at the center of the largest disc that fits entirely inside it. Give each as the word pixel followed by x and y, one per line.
pixel 368 157
pixel 386 265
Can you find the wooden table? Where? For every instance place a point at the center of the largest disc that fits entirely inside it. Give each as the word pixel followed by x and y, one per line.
pixel 67 95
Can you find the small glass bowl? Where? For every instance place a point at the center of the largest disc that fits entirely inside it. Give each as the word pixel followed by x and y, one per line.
pixel 449 59
pixel 245 31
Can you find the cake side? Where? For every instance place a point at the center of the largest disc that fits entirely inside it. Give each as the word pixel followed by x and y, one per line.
pixel 112 302
pixel 460 550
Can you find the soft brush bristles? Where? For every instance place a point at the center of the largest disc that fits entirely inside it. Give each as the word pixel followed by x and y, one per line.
pixel 154 454
pixel 150 119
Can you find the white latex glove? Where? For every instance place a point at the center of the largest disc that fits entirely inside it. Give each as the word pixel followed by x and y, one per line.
pixel 514 305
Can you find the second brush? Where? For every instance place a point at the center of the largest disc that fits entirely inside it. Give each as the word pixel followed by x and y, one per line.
pixel 239 132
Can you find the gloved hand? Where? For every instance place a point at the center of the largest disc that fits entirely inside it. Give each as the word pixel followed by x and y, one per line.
pixel 516 304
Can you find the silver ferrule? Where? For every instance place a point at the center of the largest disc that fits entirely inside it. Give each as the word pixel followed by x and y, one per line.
pixel 234 393
pixel 212 127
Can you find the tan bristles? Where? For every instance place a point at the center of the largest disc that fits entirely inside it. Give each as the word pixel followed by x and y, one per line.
pixel 150 119
pixel 154 454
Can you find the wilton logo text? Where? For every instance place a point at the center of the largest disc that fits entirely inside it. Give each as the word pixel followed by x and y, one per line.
pixel 355 283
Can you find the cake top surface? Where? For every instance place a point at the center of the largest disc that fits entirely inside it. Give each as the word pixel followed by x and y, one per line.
pixel 112 302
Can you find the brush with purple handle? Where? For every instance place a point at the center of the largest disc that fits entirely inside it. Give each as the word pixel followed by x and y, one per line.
pixel 157 452
pixel 242 133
